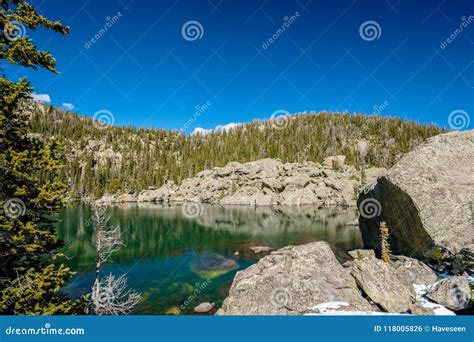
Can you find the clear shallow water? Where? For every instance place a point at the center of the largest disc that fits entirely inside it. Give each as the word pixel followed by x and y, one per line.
pixel 179 262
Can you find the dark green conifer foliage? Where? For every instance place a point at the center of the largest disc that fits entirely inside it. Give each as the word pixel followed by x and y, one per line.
pixel 30 273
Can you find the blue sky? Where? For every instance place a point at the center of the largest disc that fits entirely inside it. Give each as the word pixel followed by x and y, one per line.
pixel 147 73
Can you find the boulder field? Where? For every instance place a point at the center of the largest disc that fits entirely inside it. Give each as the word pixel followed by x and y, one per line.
pixel 308 279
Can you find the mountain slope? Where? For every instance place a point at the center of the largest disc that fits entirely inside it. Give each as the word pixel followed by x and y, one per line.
pixel 106 160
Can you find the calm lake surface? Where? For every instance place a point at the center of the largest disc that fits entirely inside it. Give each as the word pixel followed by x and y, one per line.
pixel 178 262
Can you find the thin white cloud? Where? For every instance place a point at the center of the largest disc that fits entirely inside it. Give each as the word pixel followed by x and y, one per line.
pixel 68 106
pixel 219 128
pixel 43 98
pixel 200 130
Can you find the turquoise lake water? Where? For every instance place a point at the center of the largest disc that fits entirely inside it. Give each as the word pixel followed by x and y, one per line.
pixel 177 262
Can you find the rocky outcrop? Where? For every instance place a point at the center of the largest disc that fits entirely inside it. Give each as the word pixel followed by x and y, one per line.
pixel 291 281
pixel 164 192
pixel 426 200
pixel 268 182
pixel 383 285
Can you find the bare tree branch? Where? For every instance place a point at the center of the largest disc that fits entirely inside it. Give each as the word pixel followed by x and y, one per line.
pixel 110 297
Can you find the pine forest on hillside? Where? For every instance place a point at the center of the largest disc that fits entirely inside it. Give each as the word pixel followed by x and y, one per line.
pixel 106 160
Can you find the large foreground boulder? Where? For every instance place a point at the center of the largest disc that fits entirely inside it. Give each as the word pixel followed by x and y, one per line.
pixel 426 200
pixel 291 281
pixel 383 285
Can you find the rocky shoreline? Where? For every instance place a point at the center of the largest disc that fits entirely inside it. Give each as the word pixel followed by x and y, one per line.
pixel 265 182
pixel 308 279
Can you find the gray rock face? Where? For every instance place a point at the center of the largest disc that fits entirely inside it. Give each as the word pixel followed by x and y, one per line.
pixel 415 271
pixel 453 293
pixel 161 195
pixel 251 196
pixel 290 281
pixel 358 254
pixel 265 182
pixel 373 173
pixel 298 197
pixel 383 285
pixel 419 310
pixel 426 199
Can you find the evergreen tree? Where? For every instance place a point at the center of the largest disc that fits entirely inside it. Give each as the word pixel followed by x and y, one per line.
pixel 105 161
pixel 30 273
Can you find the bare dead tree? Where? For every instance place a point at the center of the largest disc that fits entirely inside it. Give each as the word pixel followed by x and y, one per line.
pixel 110 297
pixel 113 298
pixel 108 240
